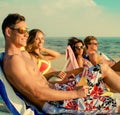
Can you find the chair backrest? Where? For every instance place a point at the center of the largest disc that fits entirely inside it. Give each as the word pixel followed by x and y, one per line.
pixel 15 104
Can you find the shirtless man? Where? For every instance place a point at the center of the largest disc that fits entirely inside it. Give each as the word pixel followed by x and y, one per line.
pixel 94 57
pixel 24 75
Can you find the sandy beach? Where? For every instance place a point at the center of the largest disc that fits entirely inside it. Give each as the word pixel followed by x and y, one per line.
pixel 60 62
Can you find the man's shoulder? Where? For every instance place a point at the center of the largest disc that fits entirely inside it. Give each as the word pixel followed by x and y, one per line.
pixel 12 59
pixel 93 54
pixel 25 53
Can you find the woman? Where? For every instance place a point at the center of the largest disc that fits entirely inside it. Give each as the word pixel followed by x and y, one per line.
pixel 42 56
pixel 39 54
pixel 77 47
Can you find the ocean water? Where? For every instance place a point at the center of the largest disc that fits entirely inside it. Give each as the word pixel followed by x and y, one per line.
pixel 108 45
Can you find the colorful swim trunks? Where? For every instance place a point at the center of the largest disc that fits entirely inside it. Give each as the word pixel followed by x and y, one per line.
pixel 94 103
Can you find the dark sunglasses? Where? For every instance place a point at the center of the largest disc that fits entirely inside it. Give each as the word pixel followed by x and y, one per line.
pixel 93 43
pixel 79 47
pixel 20 30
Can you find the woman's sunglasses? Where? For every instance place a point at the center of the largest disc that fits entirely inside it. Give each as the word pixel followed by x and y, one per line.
pixel 20 30
pixel 79 47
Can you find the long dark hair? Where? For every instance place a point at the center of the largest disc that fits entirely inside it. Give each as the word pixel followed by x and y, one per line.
pixel 72 41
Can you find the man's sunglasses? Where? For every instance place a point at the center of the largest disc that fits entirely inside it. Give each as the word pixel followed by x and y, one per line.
pixel 20 30
pixel 79 47
pixel 93 43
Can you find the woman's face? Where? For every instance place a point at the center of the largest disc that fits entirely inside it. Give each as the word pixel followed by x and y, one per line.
pixel 93 46
pixel 39 40
pixel 79 48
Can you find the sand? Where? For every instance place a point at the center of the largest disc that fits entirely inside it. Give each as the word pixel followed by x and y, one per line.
pixel 59 63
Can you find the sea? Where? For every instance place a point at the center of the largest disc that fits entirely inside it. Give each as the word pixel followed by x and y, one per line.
pixel 108 45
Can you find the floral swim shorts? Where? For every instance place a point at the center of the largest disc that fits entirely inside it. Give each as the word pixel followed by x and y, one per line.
pixel 93 104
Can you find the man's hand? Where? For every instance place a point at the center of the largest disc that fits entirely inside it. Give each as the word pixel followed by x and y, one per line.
pixel 82 91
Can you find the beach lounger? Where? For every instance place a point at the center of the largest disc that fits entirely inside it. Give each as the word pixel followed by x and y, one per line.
pixel 15 105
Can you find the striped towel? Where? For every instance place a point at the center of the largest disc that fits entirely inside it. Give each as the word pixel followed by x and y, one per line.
pixel 71 60
pixel 15 104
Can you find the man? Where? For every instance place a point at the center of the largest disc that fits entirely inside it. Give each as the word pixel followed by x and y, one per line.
pixel 24 75
pixel 94 57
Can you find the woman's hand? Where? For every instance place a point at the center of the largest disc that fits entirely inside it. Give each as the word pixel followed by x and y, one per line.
pixel 68 78
pixel 62 74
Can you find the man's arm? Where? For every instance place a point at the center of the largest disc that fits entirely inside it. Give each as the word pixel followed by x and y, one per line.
pixel 33 85
pixel 94 58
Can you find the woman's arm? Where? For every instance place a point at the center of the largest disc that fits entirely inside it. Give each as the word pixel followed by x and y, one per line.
pixel 80 61
pixel 50 54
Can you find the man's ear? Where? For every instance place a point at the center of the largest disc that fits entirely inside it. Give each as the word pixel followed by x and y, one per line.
pixel 8 32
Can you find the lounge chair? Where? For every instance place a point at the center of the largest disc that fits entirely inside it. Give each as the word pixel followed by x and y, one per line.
pixel 15 104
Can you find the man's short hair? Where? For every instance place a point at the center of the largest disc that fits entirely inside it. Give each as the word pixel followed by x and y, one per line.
pixel 88 39
pixel 11 20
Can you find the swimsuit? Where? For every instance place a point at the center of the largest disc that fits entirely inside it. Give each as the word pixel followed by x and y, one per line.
pixel 44 66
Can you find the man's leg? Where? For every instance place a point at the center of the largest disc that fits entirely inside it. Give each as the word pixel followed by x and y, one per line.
pixel 116 67
pixel 111 78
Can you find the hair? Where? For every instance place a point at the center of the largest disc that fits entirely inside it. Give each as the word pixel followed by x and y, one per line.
pixel 30 41
pixel 88 39
pixel 11 20
pixel 72 41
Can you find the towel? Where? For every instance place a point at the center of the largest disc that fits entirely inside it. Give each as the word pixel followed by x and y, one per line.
pixel 71 59
pixel 94 103
pixel 15 104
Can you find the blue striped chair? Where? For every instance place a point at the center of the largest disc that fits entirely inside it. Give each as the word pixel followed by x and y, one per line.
pixel 15 104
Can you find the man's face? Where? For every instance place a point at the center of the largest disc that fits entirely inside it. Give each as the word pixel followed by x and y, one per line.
pixel 19 34
pixel 93 45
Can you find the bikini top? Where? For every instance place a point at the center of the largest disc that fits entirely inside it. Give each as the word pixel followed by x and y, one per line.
pixel 44 66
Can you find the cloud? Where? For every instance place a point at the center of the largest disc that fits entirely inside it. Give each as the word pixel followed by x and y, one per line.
pixel 64 17
pixel 62 6
pixel 70 16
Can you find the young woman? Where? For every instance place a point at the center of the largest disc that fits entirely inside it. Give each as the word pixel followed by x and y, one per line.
pixel 42 56
pixel 39 54
pixel 77 47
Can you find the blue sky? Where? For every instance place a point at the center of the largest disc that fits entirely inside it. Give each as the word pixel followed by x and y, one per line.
pixel 67 17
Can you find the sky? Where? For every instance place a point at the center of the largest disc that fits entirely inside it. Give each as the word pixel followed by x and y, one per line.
pixel 66 18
